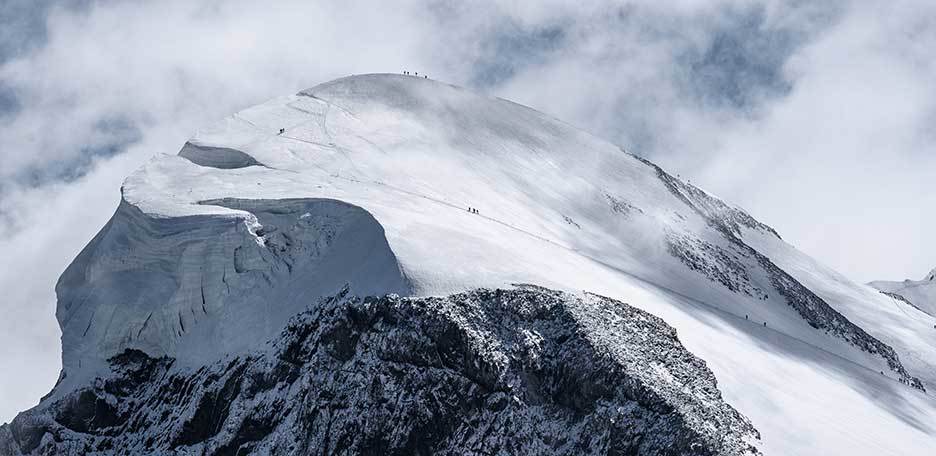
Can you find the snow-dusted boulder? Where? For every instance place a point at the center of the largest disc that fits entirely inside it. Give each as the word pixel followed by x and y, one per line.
pixel 521 371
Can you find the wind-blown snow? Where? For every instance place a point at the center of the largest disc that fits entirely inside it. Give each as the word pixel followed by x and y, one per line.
pixel 212 250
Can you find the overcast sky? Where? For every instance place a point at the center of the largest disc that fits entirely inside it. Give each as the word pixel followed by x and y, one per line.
pixel 816 117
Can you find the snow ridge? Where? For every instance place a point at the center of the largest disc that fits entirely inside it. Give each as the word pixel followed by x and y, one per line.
pixel 812 308
pixel 920 294
pixel 726 218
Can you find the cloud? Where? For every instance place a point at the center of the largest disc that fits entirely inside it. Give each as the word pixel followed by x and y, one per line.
pixel 841 165
pixel 814 116
pixel 22 26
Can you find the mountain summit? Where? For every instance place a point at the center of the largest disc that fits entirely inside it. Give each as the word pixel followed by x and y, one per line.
pixel 389 185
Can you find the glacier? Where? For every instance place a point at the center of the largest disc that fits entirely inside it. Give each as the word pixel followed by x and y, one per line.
pixel 364 183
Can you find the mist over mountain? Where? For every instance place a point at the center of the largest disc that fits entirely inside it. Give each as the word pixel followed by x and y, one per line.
pixel 454 273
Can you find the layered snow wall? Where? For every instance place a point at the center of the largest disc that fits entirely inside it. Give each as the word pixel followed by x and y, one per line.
pixel 198 286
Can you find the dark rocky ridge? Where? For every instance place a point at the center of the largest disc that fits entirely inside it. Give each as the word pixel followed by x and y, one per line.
pixel 522 371
pixel 719 265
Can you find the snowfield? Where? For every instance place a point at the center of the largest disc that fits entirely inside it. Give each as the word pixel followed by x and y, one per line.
pixel 213 250
pixel 919 294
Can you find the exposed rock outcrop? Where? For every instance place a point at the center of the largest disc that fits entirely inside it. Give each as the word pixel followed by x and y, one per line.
pixel 522 371
pixel 814 310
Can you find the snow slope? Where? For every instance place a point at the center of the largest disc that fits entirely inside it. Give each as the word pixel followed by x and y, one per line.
pixel 920 294
pixel 212 250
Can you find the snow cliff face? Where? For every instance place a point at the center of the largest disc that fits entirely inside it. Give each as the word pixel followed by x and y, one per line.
pixel 396 184
pixel 209 283
pixel 523 371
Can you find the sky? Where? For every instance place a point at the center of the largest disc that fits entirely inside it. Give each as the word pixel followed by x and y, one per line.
pixel 815 117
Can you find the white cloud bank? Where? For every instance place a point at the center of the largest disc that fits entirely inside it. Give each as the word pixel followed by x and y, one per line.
pixel 817 119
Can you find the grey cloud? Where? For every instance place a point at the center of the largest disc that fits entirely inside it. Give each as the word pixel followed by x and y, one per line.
pixel 22 26
pixel 510 47
pixel 9 103
pixel 627 71
pixel 741 62
pixel 109 136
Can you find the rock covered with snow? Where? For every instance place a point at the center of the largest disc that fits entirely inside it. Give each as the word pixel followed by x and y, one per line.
pixel 727 266
pixel 520 371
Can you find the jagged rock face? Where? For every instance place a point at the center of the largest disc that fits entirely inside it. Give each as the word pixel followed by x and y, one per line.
pixel 718 264
pixel 727 269
pixel 523 371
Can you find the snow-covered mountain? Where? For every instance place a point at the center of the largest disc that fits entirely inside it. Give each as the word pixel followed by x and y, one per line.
pixel 397 184
pixel 919 294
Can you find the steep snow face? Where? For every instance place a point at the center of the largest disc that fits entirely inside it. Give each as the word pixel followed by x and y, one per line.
pixel 217 282
pixel 390 165
pixel 919 294
pixel 522 371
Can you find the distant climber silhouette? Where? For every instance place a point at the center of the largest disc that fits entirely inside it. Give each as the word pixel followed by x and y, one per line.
pixel 282 130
